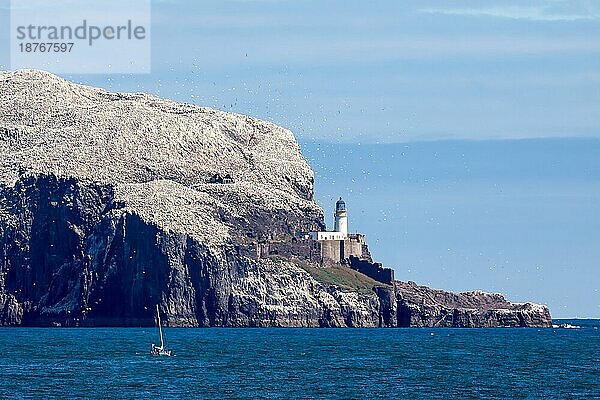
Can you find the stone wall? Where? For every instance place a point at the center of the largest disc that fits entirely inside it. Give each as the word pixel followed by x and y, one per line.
pixel 351 247
pixel 321 251
pixel 309 250
pixel 372 270
pixel 340 250
pixel 331 250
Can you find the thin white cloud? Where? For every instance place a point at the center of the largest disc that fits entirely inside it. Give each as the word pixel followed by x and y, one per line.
pixel 552 11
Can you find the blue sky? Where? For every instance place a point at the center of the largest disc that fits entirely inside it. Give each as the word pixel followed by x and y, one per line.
pixel 464 134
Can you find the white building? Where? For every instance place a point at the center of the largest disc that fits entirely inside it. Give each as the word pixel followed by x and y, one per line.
pixel 327 235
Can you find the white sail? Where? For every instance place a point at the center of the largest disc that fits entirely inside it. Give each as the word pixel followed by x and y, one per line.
pixel 162 342
pixel 160 350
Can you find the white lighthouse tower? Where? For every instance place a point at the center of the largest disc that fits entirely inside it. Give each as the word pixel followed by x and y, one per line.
pixel 340 225
pixel 340 218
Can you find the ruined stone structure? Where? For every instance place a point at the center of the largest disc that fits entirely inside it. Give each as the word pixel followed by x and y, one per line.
pixel 373 270
pixel 217 178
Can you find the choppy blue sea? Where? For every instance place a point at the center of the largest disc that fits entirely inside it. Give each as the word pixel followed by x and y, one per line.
pixel 303 363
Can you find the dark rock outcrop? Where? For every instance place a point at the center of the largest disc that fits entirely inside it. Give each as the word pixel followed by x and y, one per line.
pixel 420 306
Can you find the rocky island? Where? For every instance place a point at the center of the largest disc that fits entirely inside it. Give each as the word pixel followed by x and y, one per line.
pixel 111 203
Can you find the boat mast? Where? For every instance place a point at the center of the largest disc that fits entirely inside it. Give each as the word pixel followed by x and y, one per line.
pixel 162 344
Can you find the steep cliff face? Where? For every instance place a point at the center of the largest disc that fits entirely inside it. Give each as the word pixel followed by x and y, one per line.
pixel 106 210
pixel 75 255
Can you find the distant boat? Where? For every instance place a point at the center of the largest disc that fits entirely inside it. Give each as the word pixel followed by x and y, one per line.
pixel 566 326
pixel 160 350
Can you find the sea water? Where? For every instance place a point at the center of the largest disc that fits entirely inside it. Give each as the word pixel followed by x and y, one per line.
pixel 524 363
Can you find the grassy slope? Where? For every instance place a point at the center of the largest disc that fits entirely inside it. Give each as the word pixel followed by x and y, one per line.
pixel 342 276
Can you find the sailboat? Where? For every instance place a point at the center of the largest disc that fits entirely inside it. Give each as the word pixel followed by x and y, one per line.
pixel 160 350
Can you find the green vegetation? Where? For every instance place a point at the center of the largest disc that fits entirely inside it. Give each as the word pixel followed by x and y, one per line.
pixel 342 276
